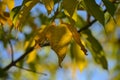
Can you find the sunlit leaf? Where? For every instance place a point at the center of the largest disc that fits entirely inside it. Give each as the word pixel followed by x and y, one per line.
pixel 2 5
pixel 110 7
pixel 59 37
pixel 5 18
pixel 31 56
pixel 10 4
pixel 23 13
pixel 49 4
pixel 110 26
pixel 94 10
pixel 78 55
pixel 96 50
pixel 76 37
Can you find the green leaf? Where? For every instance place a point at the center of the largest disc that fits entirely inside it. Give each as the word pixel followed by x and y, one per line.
pixel 70 7
pixel 110 7
pixel 14 12
pixel 94 10
pixel 96 49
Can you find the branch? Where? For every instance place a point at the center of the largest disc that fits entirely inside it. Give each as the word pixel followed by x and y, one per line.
pixel 56 12
pixel 87 26
pixel 20 58
pixel 90 24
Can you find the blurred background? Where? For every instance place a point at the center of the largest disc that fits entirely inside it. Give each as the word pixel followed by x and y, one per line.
pixel 44 60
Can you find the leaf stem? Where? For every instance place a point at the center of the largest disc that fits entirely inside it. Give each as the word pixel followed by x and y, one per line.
pixel 12 52
pixel 30 70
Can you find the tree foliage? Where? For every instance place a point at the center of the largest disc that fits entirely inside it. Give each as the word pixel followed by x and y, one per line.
pixel 24 35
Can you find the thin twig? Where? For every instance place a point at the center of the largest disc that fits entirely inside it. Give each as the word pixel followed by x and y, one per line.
pixel 12 52
pixel 87 26
pixel 56 12
pixel 30 70
pixel 19 59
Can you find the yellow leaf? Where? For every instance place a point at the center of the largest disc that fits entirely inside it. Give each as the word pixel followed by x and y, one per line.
pixel 5 18
pixel 31 56
pixel 2 5
pixel 76 37
pixel 110 26
pixel 59 37
pixel 29 44
pixel 49 4
pixel 10 4
pixel 21 16
pixel 78 56
pixel 74 16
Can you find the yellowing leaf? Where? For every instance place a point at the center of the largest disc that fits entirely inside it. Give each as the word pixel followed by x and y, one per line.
pixel 5 18
pixel 2 5
pixel 110 26
pixel 31 56
pixel 23 13
pixel 78 55
pixel 49 4
pixel 76 37
pixel 29 44
pixel 10 4
pixel 59 37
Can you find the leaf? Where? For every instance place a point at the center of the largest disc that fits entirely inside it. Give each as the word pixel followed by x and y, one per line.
pixel 5 18
pixel 23 13
pixel 117 16
pixel 59 37
pixel 31 56
pixel 2 5
pixel 14 12
pixel 70 6
pixel 78 56
pixel 70 9
pixel 10 4
pixel 49 4
pixel 96 49
pixel 110 7
pixel 94 10
pixel 76 37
